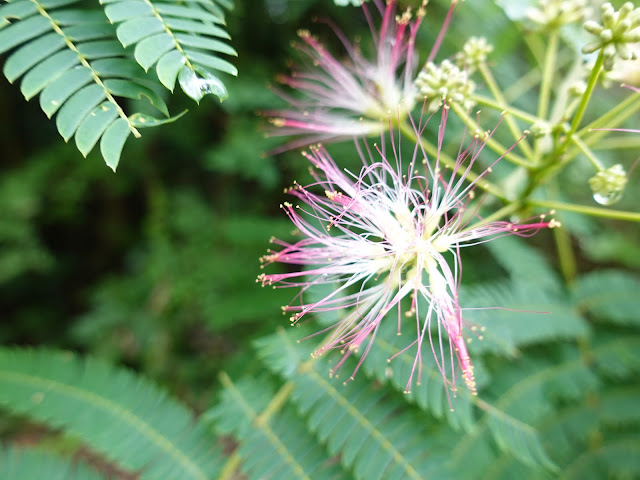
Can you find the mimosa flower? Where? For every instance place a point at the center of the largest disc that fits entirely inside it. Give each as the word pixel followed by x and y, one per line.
pixel 384 236
pixel 354 97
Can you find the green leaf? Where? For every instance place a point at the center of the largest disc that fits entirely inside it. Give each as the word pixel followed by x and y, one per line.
pixel 177 40
pixel 119 67
pixel 58 91
pixel 183 11
pixel 622 457
pixel 508 316
pixel 119 11
pixel 78 17
pixel 428 389
pixel 31 54
pixel 129 89
pixel 83 33
pixel 45 72
pixel 205 43
pixel 376 434
pixel 211 62
pixel 16 10
pixel 149 50
pixel 271 445
pixel 100 49
pixel 140 120
pixel 610 295
pixel 33 464
pixel 530 387
pixel 524 262
pixel 113 141
pixel 124 417
pixel 19 32
pixel 50 4
pixel 76 108
pixel 213 7
pixel 168 67
pixel 74 58
pixel 196 27
pixel 93 126
pixel 135 29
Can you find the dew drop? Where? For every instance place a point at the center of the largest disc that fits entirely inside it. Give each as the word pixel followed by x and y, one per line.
pixel 199 84
pixel 609 199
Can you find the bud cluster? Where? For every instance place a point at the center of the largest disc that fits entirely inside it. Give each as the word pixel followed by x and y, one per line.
pixel 608 185
pixel 444 83
pixel 474 53
pixel 617 34
pixel 553 14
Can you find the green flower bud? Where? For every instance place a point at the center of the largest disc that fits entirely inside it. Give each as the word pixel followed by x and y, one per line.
pixel 608 185
pixel 617 34
pixel 446 82
pixel 474 53
pixel 540 129
pixel 552 14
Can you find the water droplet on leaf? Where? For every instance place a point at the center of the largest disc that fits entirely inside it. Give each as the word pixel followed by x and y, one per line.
pixel 200 83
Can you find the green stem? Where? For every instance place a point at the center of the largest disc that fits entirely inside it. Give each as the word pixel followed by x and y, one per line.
pixel 521 114
pixel 611 119
pixel 547 75
pixel 408 131
pixel 585 98
pixel 501 213
pixel 491 142
pixel 616 115
pixel 593 211
pixel 587 152
pixel 513 127
pixel 566 255
pixel 618 143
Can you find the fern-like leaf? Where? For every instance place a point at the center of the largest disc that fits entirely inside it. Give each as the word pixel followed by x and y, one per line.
pixel 429 392
pixel 526 314
pixel 567 432
pixel 71 57
pixel 180 40
pixel 273 440
pixel 33 464
pixel 529 391
pixel 622 457
pixel 376 434
pixel 522 261
pixel 610 296
pixel 122 416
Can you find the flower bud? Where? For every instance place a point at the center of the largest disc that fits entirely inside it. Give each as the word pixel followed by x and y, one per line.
pixel 553 14
pixel 608 185
pixel 616 35
pixel 445 82
pixel 474 52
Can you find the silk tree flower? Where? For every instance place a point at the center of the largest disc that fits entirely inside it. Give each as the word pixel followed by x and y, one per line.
pixel 382 238
pixel 352 98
